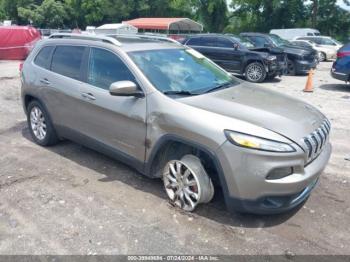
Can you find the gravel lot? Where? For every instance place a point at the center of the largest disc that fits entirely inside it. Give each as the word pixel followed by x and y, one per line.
pixel 71 200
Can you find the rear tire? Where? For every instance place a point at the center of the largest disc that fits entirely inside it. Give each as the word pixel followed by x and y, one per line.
pixel 323 57
pixel 40 125
pixel 255 72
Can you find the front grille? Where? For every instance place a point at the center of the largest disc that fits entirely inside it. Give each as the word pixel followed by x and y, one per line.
pixel 315 142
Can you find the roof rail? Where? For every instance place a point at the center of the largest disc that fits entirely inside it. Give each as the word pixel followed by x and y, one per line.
pixel 101 38
pixel 148 36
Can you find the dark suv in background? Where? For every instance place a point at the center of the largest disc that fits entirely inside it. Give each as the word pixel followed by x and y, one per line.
pixel 300 60
pixel 341 67
pixel 239 55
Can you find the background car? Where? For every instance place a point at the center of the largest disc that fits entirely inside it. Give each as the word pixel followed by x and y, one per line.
pixel 341 67
pixel 324 52
pixel 323 41
pixel 291 33
pixel 299 60
pixel 239 55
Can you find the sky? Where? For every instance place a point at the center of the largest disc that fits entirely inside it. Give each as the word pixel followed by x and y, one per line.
pixel 340 3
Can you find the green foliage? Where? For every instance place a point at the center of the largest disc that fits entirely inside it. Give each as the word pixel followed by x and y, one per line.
pixel 243 15
pixel 264 15
pixel 50 13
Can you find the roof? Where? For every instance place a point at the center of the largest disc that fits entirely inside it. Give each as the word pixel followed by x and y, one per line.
pixel 128 42
pixel 181 24
pixel 112 26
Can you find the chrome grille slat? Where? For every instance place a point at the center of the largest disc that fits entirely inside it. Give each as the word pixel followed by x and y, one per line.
pixel 315 142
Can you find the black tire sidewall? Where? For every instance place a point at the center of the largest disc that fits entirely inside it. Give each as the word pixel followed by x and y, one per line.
pixel 262 78
pixel 293 73
pixel 51 137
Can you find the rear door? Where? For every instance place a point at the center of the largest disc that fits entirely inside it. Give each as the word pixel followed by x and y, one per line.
pixel 62 86
pixel 205 45
pixel 116 123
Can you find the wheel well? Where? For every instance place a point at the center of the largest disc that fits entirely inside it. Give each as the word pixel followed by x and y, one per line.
pixel 252 61
pixel 27 100
pixel 175 150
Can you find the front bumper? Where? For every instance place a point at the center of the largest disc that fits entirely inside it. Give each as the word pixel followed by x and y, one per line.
pixel 248 189
pixel 303 66
pixel 276 67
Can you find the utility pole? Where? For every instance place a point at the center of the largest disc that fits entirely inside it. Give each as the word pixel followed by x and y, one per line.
pixel 314 13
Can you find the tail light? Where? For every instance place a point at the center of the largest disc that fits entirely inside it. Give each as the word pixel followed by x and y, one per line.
pixel 343 54
pixel 20 66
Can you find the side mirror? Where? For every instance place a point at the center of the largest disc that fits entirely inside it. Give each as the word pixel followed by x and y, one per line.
pixel 125 88
pixel 266 45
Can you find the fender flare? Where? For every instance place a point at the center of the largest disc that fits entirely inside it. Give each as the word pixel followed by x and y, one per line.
pixel 175 138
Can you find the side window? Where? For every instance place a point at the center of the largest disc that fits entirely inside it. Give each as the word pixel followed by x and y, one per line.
pixel 223 42
pixel 44 57
pixel 194 41
pixel 66 61
pixel 310 34
pixel 209 41
pixel 106 68
pixel 259 41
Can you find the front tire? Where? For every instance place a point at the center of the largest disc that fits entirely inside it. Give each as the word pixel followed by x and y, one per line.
pixel 40 125
pixel 291 71
pixel 186 183
pixel 255 72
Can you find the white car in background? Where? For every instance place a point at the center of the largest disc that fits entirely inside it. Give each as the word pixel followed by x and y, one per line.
pixel 324 52
pixel 291 33
pixel 323 41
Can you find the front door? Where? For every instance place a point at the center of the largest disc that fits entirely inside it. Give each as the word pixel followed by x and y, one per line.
pixel 114 122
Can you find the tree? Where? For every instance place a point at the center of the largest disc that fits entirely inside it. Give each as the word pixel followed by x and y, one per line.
pixel 212 13
pixel 50 14
pixel 85 12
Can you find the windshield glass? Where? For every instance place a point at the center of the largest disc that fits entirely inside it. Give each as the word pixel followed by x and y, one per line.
pixel 181 70
pixel 278 41
pixel 244 41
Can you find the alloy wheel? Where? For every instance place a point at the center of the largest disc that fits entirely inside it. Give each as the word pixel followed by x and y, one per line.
pixel 186 183
pixel 254 72
pixel 37 123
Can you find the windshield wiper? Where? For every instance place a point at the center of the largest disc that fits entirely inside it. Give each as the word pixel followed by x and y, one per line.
pixel 221 86
pixel 180 92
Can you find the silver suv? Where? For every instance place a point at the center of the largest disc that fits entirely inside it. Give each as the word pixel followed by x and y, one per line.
pixel 171 113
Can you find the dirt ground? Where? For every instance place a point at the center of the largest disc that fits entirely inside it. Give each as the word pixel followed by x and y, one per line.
pixel 68 199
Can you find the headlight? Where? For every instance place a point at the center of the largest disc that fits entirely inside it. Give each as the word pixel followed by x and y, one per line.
pixel 259 143
pixel 271 57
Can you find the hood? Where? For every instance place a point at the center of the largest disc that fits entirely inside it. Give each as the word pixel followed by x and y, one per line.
pixel 271 50
pixel 297 50
pixel 274 111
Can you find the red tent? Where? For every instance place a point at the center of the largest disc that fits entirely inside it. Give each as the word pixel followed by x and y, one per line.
pixel 16 42
pixel 163 23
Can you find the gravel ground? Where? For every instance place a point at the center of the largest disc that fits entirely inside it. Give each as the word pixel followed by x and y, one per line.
pixel 68 199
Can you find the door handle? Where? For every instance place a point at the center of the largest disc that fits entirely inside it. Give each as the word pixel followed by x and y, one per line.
pixel 45 81
pixel 88 96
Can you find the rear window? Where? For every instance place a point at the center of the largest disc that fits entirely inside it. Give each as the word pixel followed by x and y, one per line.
pixel 66 61
pixel 44 57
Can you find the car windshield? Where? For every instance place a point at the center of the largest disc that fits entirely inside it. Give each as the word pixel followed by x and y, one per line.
pixel 337 42
pixel 278 41
pixel 244 41
pixel 181 71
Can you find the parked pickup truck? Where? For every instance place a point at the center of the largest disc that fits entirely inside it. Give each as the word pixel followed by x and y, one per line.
pixel 239 55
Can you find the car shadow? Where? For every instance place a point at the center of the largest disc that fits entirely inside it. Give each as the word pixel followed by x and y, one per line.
pixel 336 87
pixel 113 170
